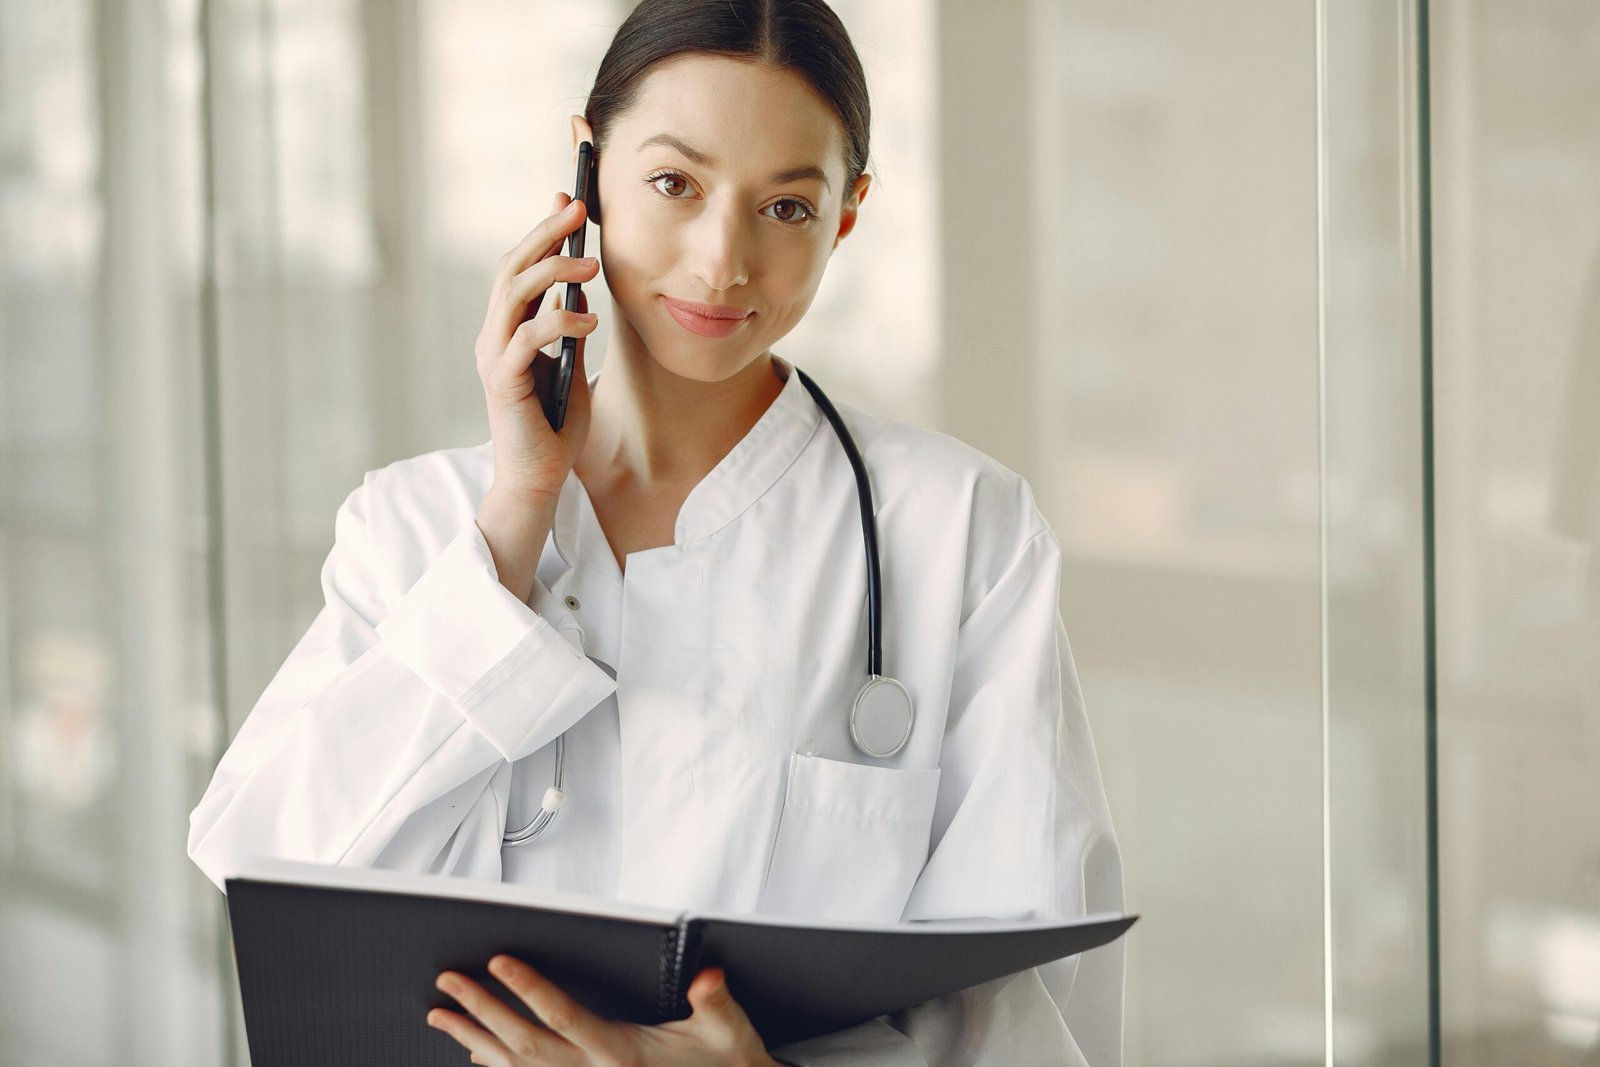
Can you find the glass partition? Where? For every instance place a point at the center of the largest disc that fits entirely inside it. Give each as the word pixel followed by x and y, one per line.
pixel 1230 384
pixel 1516 146
pixel 1375 535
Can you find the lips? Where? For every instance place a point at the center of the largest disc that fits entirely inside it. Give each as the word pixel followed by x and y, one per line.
pixel 708 311
pixel 706 320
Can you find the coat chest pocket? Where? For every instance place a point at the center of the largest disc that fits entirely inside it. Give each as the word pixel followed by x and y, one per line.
pixel 851 840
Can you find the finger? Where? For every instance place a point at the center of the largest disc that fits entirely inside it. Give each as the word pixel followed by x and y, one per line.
pixel 539 278
pixel 515 262
pixel 532 336
pixel 555 244
pixel 583 339
pixel 484 1046
pixel 529 288
pixel 559 1012
pixel 563 220
pixel 710 1001
pixel 517 1034
pixel 566 216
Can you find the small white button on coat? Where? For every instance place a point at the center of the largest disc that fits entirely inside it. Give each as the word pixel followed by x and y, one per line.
pixel 572 602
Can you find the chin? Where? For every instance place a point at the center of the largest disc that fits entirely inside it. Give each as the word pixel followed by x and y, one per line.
pixel 709 362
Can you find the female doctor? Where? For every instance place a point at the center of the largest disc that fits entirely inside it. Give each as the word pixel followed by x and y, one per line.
pixel 664 607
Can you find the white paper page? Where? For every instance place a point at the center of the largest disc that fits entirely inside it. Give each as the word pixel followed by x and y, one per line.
pixel 266 869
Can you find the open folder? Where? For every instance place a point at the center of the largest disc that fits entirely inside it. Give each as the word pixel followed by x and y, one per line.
pixel 337 964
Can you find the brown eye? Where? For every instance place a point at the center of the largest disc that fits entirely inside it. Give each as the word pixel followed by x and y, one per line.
pixel 794 212
pixel 677 184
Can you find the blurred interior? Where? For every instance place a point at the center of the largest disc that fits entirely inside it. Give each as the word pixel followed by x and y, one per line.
pixel 1209 275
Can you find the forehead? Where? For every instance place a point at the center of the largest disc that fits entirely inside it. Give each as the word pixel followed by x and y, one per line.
pixel 744 115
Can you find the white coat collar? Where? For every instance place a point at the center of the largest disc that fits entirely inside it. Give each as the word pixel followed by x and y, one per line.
pixel 752 467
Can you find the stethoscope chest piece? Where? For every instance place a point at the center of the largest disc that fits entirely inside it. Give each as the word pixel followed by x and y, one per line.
pixel 880 722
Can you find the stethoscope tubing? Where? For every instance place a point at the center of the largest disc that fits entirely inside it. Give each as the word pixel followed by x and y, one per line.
pixel 547 814
pixel 869 537
pixel 869 525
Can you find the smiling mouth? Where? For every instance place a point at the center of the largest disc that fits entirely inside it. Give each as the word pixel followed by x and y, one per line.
pixel 708 311
pixel 706 320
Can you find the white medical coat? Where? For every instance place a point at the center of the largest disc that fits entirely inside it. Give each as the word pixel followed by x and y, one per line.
pixel 417 715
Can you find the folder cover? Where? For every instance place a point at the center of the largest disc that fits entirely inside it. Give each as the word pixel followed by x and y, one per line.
pixel 337 964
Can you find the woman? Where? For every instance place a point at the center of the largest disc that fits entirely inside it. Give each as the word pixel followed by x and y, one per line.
pixel 674 582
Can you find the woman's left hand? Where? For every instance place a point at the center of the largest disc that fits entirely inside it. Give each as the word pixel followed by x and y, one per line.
pixel 717 1032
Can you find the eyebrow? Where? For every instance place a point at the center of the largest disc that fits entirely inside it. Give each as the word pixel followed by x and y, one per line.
pixel 694 155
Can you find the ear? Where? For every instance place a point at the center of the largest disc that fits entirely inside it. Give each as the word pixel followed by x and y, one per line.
pixel 852 205
pixel 580 132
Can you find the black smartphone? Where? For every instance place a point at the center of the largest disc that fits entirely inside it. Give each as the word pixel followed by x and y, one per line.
pixel 554 386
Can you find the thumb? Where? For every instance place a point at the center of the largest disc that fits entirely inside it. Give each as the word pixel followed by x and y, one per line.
pixel 709 992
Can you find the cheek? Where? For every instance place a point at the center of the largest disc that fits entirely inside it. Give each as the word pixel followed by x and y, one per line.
pixel 635 243
pixel 632 259
pixel 790 281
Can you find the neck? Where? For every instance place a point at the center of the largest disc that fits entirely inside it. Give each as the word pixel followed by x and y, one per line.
pixel 649 427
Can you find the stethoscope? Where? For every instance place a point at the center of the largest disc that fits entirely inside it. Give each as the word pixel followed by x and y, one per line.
pixel 880 719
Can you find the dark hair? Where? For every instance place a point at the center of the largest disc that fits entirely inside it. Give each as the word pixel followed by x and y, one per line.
pixel 804 36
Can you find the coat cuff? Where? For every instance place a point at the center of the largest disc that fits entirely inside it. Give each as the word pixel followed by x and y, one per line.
pixel 503 665
pixel 873 1042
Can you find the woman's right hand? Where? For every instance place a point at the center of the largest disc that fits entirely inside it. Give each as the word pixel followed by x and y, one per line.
pixel 531 460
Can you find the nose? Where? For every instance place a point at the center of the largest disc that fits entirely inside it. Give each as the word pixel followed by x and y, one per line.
pixel 717 249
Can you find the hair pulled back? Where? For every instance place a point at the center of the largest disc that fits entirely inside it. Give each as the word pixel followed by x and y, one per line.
pixel 804 36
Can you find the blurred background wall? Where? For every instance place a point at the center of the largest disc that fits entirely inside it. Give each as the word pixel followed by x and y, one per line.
pixel 1317 433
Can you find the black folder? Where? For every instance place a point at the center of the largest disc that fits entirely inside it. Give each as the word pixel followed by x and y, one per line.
pixel 337 964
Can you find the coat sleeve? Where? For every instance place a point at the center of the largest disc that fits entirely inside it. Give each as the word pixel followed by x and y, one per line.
pixel 387 736
pixel 1021 800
